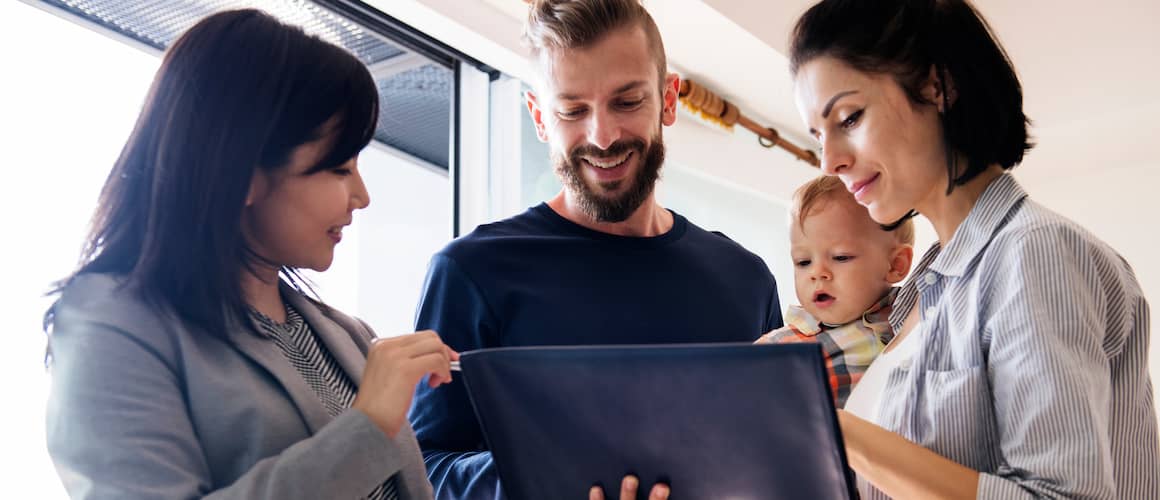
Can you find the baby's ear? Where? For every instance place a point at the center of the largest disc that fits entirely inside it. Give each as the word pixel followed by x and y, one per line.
pixel 900 259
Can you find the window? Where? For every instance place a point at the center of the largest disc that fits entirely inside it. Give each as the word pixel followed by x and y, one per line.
pixel 76 75
pixel 70 98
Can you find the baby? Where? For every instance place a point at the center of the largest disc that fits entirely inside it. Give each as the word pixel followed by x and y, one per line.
pixel 845 266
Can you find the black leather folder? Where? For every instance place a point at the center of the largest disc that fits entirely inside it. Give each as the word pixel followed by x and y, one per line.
pixel 714 421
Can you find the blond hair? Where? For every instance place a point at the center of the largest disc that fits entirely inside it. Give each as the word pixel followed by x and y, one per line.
pixel 828 188
pixel 571 24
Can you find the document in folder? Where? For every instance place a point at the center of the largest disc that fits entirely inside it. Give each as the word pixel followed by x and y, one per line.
pixel 728 421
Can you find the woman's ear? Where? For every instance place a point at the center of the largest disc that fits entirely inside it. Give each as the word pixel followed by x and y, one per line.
pixel 259 184
pixel 939 89
pixel 900 260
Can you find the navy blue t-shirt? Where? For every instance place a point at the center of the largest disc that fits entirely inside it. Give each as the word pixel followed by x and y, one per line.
pixel 540 279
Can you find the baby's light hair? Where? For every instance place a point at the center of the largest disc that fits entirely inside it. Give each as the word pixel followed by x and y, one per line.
pixel 829 188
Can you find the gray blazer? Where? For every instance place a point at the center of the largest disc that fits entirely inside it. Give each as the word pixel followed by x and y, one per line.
pixel 143 405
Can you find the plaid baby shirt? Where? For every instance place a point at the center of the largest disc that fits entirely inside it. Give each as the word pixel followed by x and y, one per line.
pixel 848 349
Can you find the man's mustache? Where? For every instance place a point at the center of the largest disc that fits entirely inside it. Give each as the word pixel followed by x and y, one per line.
pixel 617 148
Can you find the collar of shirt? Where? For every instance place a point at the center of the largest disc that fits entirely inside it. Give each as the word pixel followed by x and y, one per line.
pixel 875 319
pixel 990 212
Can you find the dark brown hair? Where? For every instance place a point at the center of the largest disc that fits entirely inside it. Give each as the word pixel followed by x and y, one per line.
pixel 236 92
pixel 906 39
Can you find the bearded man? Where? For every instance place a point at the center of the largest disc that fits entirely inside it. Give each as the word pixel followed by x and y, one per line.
pixel 600 263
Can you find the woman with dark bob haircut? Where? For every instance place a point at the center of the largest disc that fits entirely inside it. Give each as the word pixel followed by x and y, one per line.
pixel 186 360
pixel 1019 368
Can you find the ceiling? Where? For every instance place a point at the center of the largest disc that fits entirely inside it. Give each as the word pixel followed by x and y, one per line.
pixel 1089 71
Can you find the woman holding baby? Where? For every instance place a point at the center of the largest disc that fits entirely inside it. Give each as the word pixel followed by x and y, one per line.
pixel 1026 338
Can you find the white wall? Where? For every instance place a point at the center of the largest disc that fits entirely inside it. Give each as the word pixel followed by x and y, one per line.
pixel 756 221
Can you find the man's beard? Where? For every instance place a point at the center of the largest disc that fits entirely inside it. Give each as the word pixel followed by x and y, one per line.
pixel 593 202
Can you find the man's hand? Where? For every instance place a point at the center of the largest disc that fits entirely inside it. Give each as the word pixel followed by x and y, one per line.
pixel 628 490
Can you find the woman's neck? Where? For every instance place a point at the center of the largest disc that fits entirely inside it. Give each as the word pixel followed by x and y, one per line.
pixel 947 212
pixel 260 290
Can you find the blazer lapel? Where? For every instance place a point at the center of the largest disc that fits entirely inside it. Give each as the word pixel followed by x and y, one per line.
pixel 263 351
pixel 337 337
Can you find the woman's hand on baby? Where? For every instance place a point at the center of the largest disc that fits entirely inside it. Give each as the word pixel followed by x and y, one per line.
pixel 394 366
pixel 628 488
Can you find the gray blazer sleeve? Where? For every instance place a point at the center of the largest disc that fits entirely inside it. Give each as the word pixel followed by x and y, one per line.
pixel 119 427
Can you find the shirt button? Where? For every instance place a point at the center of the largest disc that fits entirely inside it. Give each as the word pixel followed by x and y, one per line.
pixel 930 312
pixel 904 363
pixel 930 278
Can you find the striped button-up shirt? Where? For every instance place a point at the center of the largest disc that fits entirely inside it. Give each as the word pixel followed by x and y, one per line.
pixel 1033 367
